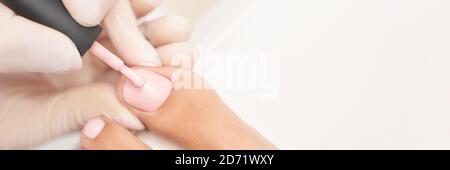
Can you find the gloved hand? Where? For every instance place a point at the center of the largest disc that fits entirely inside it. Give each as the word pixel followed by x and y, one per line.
pixel 35 107
pixel 26 46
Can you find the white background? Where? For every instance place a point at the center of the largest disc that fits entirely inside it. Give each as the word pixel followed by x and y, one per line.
pixel 353 74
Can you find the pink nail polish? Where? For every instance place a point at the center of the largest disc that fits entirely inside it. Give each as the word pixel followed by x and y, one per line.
pixel 150 97
pixel 116 63
pixel 93 128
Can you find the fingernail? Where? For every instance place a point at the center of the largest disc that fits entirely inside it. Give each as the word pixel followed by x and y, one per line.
pixel 150 97
pixel 93 128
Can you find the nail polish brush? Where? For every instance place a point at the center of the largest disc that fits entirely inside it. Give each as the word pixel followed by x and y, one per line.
pixel 53 14
pixel 117 64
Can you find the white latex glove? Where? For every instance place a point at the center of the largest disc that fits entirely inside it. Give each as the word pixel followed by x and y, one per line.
pixel 35 107
pixel 26 46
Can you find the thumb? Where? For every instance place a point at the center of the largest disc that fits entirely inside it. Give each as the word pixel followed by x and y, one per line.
pixel 44 112
pixel 89 13
pixel 104 134
pixel 26 46
pixel 93 100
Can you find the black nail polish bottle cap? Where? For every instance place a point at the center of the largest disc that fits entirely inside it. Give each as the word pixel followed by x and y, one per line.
pixel 52 13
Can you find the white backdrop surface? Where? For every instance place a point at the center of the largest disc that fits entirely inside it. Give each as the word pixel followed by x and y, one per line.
pixel 353 74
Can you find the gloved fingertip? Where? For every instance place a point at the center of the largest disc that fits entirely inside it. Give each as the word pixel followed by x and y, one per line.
pixel 69 61
pixel 74 65
pixel 88 13
pixel 126 119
